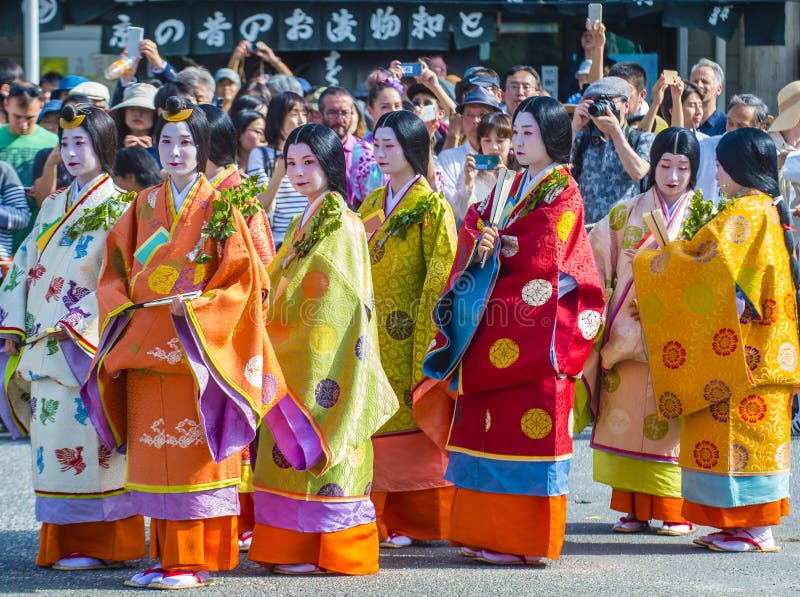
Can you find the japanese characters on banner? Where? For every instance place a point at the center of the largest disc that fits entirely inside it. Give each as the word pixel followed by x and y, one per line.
pixel 216 28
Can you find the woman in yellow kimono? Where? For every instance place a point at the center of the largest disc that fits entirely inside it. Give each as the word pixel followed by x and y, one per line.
pixel 634 452
pixel 184 370
pixel 412 241
pixel 719 314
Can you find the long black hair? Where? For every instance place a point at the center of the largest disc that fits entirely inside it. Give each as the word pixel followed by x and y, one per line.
pixel 554 123
pixel 679 141
pixel 196 121
pixel 413 136
pixel 325 144
pixel 100 127
pixel 750 158
pixel 222 151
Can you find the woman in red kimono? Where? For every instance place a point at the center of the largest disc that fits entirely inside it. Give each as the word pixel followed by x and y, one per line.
pixel 512 340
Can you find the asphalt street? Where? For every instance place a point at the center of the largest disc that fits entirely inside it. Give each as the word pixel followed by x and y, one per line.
pixel 595 561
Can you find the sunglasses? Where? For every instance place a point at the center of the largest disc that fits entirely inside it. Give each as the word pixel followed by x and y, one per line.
pixel 29 90
pixel 421 103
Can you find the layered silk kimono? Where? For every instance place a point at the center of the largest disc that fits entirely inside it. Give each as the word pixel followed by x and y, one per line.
pixel 182 394
pixel 635 452
pixel 313 474
pixel 720 323
pixel 513 336
pixel 408 274
pixel 78 481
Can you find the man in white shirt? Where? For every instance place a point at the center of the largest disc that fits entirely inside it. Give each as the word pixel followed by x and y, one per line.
pixel 476 104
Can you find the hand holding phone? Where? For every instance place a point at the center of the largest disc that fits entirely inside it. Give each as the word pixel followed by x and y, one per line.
pixel 428 113
pixel 135 36
pixel 671 77
pixel 486 162
pixel 411 69
pixel 595 13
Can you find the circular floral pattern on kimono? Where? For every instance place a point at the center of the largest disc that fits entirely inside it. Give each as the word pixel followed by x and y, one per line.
pixel 509 245
pixel 747 314
pixel 487 421
pixel 747 278
pixel 503 353
pixel 706 454
pixel 617 217
pixel 669 405
pixel 720 411
pixel 279 459
pixel 253 369
pixel 399 325
pixel 752 409
pixel 610 380
pixel 651 310
pixel 162 279
pixel 706 251
pixel 565 224
pixel 790 306
pixel 278 333
pixel 368 488
pixel 659 263
pixel 782 456
pixel 269 386
pixel 356 456
pixel 769 312
pixel 716 390
pixel 725 342
pixel 376 253
pixel 699 298
pixel 315 284
pixel 787 357
pixel 674 355
pixel 752 357
pixel 536 423
pixel 361 347
pixel 537 292
pixel 331 490
pixel 327 393
pixel 738 457
pixel 619 421
pixel 654 429
pixel 631 237
pixel 738 229
pixel 589 323
pixel 323 338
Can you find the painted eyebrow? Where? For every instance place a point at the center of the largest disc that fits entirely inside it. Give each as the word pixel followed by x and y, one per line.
pixel 302 157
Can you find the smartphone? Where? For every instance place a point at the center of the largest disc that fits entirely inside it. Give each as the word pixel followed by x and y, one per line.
pixel 671 77
pixel 595 13
pixel 135 35
pixel 253 46
pixel 411 69
pixel 486 162
pixel 428 113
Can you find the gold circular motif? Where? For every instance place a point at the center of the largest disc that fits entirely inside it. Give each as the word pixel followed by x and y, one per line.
pixel 503 353
pixel 565 224
pixel 322 338
pixel 162 279
pixel 536 423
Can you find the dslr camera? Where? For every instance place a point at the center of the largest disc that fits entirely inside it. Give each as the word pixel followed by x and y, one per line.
pixel 598 108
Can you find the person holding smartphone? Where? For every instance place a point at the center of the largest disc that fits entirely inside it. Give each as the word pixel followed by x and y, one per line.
pixel 480 169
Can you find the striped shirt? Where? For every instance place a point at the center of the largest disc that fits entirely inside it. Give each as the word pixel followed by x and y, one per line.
pixel 288 202
pixel 14 210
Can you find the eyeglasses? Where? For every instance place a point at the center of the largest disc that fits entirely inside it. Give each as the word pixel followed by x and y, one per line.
pixel 522 86
pixel 421 103
pixel 29 90
pixel 331 114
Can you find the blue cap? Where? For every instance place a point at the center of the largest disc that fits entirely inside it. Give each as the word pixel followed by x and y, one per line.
pixel 51 106
pixel 304 84
pixel 68 82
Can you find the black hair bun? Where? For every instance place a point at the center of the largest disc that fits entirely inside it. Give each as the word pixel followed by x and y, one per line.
pixel 69 112
pixel 174 104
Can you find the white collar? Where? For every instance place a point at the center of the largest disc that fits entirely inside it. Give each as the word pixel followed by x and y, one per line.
pixel 391 200
pixel 529 181
pixel 78 191
pixel 179 198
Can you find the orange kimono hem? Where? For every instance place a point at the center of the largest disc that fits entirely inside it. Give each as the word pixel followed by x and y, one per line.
pixel 645 506
pixel 203 544
pixel 423 514
pixel 117 540
pixel 756 515
pixel 353 551
pixel 521 525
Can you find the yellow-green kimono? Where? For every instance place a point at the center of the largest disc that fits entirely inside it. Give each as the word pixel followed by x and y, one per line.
pixel 720 323
pixel 412 249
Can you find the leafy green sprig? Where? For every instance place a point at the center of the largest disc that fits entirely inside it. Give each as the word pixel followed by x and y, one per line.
pixel 701 212
pixel 327 220
pixel 546 191
pixel 422 213
pixel 103 215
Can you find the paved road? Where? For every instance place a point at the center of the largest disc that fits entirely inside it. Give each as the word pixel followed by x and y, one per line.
pixel 595 561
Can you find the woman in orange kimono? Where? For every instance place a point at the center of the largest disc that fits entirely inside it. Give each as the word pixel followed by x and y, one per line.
pixel 183 358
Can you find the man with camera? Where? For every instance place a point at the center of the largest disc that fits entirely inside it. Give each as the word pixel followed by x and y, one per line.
pixel 609 158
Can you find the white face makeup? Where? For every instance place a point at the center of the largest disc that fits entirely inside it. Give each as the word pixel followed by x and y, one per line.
pixel 528 143
pixel 389 155
pixel 79 156
pixel 673 172
pixel 177 150
pixel 304 171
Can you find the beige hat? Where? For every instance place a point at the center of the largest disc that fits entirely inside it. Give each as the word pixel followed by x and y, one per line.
pixel 140 95
pixel 94 91
pixel 788 108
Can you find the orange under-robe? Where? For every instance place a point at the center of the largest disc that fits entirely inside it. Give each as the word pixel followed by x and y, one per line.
pixel 645 506
pixel 116 540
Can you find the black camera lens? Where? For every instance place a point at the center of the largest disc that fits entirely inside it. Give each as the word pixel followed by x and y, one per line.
pixel 598 108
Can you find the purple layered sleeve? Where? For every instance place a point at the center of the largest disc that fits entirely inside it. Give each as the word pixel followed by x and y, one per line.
pixel 227 417
pixel 294 434
pixel 5 408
